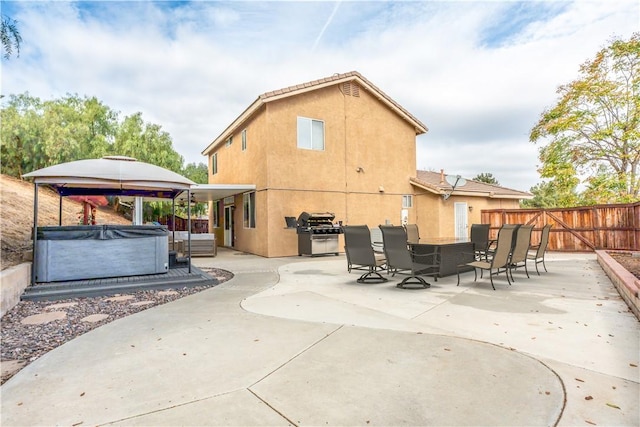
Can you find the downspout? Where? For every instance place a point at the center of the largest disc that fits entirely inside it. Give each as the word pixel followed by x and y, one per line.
pixel 60 212
pixel 346 179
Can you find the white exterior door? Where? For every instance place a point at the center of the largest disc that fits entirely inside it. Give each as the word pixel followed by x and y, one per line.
pixel 228 226
pixel 460 224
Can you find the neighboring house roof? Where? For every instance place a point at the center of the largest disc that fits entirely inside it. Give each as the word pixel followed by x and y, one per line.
pixel 336 79
pixel 435 183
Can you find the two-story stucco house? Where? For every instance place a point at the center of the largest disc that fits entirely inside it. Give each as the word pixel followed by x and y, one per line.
pixel 337 145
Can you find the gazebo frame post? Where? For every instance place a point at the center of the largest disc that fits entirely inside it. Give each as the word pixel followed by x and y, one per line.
pixel 60 212
pixel 35 234
pixel 189 226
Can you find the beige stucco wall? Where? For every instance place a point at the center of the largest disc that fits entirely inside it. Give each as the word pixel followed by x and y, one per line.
pixel 361 175
pixel 436 217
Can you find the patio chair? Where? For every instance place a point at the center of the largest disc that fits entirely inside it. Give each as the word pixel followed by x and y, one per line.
pixel 376 241
pixel 413 234
pixel 480 240
pixel 500 260
pixel 521 250
pixel 400 259
pixel 492 243
pixel 536 252
pixel 359 251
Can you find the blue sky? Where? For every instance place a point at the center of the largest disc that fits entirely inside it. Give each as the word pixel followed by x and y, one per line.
pixel 478 74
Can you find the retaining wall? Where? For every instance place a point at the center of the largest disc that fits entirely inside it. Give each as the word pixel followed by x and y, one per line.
pixel 627 284
pixel 13 281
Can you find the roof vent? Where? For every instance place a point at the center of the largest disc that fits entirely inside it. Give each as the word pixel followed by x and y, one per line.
pixel 351 89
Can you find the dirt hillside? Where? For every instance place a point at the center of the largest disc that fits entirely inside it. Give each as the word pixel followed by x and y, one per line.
pixel 16 216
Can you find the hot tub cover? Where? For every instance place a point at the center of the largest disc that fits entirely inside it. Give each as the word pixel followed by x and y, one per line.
pixel 100 232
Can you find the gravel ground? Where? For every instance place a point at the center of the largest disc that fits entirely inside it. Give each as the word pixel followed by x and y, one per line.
pixel 24 338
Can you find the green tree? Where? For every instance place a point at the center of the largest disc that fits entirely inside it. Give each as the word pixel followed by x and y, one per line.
pixel 77 128
pixel 197 173
pixel 37 134
pixel 551 194
pixel 21 136
pixel 487 178
pixel 146 142
pixel 594 129
pixel 604 188
pixel 10 37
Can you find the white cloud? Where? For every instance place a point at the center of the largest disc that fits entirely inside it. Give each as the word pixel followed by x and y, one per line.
pixel 477 73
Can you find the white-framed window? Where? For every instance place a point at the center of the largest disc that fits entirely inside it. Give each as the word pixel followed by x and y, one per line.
pixel 229 141
pixel 244 139
pixel 249 209
pixel 216 213
pixel 214 164
pixel 407 201
pixel 310 134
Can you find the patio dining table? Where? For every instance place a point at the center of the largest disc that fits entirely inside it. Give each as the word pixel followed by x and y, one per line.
pixel 451 253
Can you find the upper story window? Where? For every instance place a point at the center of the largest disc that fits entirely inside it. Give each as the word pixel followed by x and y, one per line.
pixel 214 164
pixel 407 201
pixel 244 139
pixel 310 134
pixel 229 141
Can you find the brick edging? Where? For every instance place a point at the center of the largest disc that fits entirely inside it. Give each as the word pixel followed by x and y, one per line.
pixel 627 284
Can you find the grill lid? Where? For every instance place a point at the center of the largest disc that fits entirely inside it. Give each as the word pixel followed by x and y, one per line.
pixel 306 219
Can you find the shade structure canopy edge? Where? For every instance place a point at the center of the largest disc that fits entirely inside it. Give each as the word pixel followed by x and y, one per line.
pixel 111 176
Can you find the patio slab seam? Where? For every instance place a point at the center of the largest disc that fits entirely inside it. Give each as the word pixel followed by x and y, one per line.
pixel 294 357
pixel 270 406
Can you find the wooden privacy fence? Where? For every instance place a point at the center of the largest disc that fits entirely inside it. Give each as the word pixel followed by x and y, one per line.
pixel 576 229
pixel 197 225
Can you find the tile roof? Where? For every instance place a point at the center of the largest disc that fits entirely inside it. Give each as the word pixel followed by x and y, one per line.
pixel 314 85
pixel 337 78
pixel 435 182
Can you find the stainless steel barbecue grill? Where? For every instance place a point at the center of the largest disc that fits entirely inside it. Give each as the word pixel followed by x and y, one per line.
pixel 317 235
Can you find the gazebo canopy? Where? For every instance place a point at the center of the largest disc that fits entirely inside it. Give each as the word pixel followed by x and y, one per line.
pixel 114 175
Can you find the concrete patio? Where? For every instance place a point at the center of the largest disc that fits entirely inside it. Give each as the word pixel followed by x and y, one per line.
pixel 296 341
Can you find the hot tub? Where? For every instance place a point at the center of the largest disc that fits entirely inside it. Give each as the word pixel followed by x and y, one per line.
pixel 99 251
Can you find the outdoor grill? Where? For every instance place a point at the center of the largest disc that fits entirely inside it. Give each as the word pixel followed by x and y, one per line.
pixel 317 235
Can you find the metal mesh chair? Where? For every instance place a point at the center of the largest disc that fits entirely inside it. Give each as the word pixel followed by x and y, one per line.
pixel 480 240
pixel 400 259
pixel 413 234
pixel 521 249
pixel 376 240
pixel 501 257
pixel 357 239
pixel 536 253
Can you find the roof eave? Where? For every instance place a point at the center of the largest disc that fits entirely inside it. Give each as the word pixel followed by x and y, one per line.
pixel 490 195
pixel 248 112
pixel 418 126
pixel 426 187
